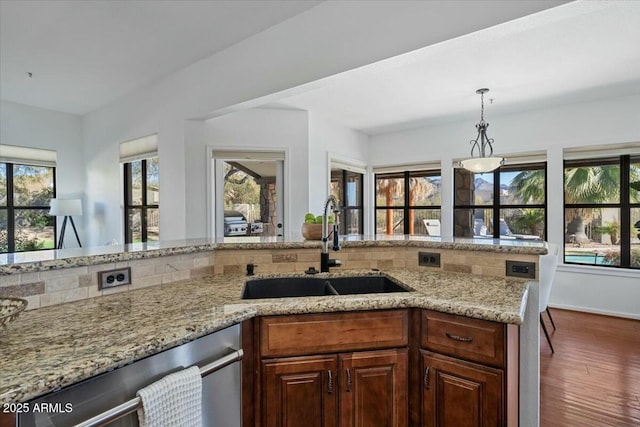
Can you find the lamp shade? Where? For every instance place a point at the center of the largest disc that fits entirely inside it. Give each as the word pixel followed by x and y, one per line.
pixel 482 164
pixel 68 207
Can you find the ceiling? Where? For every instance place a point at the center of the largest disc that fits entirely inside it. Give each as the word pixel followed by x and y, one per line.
pixel 85 54
pixel 576 52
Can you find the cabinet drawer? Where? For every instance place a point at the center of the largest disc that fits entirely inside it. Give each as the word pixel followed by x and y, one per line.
pixel 335 332
pixel 472 339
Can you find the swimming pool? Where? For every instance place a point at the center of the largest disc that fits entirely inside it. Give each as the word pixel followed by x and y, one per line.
pixel 586 259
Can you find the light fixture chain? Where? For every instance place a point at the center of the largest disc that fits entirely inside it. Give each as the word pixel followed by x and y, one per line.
pixel 482 159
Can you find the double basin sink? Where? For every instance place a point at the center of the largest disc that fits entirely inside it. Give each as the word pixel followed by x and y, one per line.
pixel 286 287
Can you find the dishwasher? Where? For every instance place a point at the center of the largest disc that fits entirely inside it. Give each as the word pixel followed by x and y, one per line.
pixel 95 398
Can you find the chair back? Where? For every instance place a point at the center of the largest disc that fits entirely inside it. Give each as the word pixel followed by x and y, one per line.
pixel 432 226
pixel 548 264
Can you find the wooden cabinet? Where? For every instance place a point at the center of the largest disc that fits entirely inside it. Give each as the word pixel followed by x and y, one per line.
pixel 469 372
pixel 460 394
pixel 300 391
pixel 387 368
pixel 362 389
pixel 374 388
pixel 336 369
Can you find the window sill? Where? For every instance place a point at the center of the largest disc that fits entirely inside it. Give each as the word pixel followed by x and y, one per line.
pixel 601 271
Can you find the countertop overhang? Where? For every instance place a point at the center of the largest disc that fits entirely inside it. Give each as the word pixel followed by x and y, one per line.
pixel 53 347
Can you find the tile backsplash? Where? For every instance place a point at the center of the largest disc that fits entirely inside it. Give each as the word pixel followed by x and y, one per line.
pixel 53 287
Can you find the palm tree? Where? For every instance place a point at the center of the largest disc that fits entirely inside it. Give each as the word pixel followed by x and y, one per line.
pixel 588 185
pixel 388 187
pixel 418 187
pixel 530 186
pixel 392 187
pixel 592 184
pixel 530 220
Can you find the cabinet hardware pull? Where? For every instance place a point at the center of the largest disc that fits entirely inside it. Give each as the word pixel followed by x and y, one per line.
pixel 330 385
pixel 348 379
pixel 426 378
pixel 458 337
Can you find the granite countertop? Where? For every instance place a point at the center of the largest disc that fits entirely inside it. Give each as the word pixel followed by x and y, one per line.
pixel 53 347
pixel 25 262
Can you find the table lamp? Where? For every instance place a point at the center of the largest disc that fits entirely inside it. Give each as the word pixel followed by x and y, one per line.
pixel 66 208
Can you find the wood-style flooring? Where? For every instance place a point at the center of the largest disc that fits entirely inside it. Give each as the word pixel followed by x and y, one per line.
pixel 593 378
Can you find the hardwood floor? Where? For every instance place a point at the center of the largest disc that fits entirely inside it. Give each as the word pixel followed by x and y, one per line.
pixel 593 378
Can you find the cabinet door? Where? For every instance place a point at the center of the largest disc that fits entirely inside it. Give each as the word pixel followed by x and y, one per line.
pixel 299 391
pixel 456 393
pixel 374 389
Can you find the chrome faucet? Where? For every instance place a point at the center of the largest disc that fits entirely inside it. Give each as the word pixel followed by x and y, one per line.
pixel 325 262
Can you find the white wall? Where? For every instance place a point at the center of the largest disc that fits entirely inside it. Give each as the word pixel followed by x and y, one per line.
pixel 330 139
pixel 607 121
pixel 26 126
pixel 328 39
pixel 307 140
pixel 255 129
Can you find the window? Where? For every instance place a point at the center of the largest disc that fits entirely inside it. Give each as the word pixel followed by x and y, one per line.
pixel 405 201
pixel 602 211
pixel 346 187
pixel 141 193
pixel 25 194
pixel 508 203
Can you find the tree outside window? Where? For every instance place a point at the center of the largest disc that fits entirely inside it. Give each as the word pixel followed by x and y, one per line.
pixel 602 212
pixel 25 195
pixel 405 200
pixel 508 203
pixel 142 200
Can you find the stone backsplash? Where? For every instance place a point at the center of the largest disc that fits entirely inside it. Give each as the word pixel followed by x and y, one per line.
pixel 46 288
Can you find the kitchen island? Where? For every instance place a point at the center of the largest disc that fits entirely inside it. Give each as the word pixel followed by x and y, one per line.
pixel 53 347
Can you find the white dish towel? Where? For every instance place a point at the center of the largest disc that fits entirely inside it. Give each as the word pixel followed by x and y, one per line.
pixel 173 401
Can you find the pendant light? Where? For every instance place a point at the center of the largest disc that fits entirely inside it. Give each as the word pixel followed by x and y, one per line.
pixel 482 159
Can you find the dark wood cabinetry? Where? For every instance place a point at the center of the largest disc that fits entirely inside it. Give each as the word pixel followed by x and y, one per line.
pixel 374 388
pixel 361 389
pixel 460 394
pixel 335 369
pixel 300 391
pixel 469 372
pixel 387 368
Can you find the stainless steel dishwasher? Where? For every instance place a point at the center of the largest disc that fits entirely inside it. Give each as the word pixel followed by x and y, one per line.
pixel 221 392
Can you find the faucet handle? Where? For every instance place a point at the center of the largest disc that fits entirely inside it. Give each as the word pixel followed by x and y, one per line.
pixel 334 263
pixel 336 237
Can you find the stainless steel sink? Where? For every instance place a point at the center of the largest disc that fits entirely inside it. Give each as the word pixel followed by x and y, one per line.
pixel 286 287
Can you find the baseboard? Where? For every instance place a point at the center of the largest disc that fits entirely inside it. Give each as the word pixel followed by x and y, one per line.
pixel 596 311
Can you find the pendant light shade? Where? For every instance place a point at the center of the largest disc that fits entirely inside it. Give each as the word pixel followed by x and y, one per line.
pixel 482 159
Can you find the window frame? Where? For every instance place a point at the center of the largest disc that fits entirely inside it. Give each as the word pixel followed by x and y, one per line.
pixel 10 207
pixel 624 204
pixel 359 208
pixel 497 206
pixel 143 207
pixel 405 207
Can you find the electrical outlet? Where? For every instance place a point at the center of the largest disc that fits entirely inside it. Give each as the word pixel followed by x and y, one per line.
pixel 522 269
pixel 429 259
pixel 111 278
